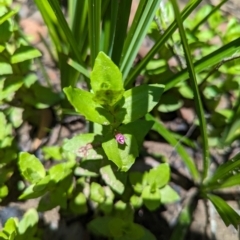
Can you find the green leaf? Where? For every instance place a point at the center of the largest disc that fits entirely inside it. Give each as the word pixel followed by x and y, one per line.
pixel 159 176
pixel 186 91
pixel 60 171
pixel 44 184
pixel 228 215
pixel 107 205
pixel 233 132
pixel 119 24
pixel 94 20
pixel 133 129
pixel 16 116
pixel 106 81
pixel 101 226
pixel 8 15
pixel 29 193
pixel 158 127
pixel 3 236
pixel 159 44
pixel 97 193
pixel 138 101
pixel 6 31
pixel 123 211
pixel 3 191
pixel 10 228
pixel 78 204
pixel 136 201
pixel 229 182
pixel 24 53
pixel 57 196
pixel 88 168
pixel 205 62
pixel 194 85
pixel 223 170
pixel 3 122
pixel 86 146
pixel 52 199
pixel 6 68
pixel 151 199
pixel 11 85
pixel 78 67
pixel 170 103
pixel 27 226
pixel 40 97
pixel 31 167
pixel 205 12
pixel 168 195
pixel 110 179
pixel 83 103
pixel 122 155
pixel 116 228
pixel 53 152
pixel 61 26
pixel 138 181
pixel 137 32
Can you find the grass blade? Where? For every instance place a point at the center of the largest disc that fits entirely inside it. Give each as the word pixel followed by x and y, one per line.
pixel 122 11
pixel 78 67
pixel 162 40
pixel 194 85
pixel 158 127
pixel 208 15
pixel 137 32
pixel 8 15
pixel 94 19
pixel 210 60
pixel 78 20
pixel 66 30
pixel 51 22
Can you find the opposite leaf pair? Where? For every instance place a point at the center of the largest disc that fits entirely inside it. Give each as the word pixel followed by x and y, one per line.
pixel 109 105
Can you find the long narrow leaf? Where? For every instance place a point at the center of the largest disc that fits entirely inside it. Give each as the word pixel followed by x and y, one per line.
pixel 162 40
pixel 51 22
pixel 229 182
pixel 224 170
pixel 197 98
pixel 158 127
pixel 122 8
pixel 78 20
pixel 94 17
pixel 208 15
pixel 8 15
pixel 137 32
pixel 228 215
pixel 78 67
pixel 206 62
pixel 66 30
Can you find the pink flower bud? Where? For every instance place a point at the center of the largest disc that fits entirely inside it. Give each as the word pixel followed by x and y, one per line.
pixel 120 138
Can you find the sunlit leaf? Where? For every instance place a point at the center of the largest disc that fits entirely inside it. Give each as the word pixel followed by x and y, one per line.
pixel 24 53
pixel 31 167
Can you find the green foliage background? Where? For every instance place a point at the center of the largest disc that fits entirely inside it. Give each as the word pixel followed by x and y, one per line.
pixel 93 44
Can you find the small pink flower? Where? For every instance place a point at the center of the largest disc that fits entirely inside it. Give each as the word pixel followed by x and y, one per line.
pixel 120 138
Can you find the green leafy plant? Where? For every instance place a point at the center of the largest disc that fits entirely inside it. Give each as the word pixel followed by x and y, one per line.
pixel 116 110
pixel 94 172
